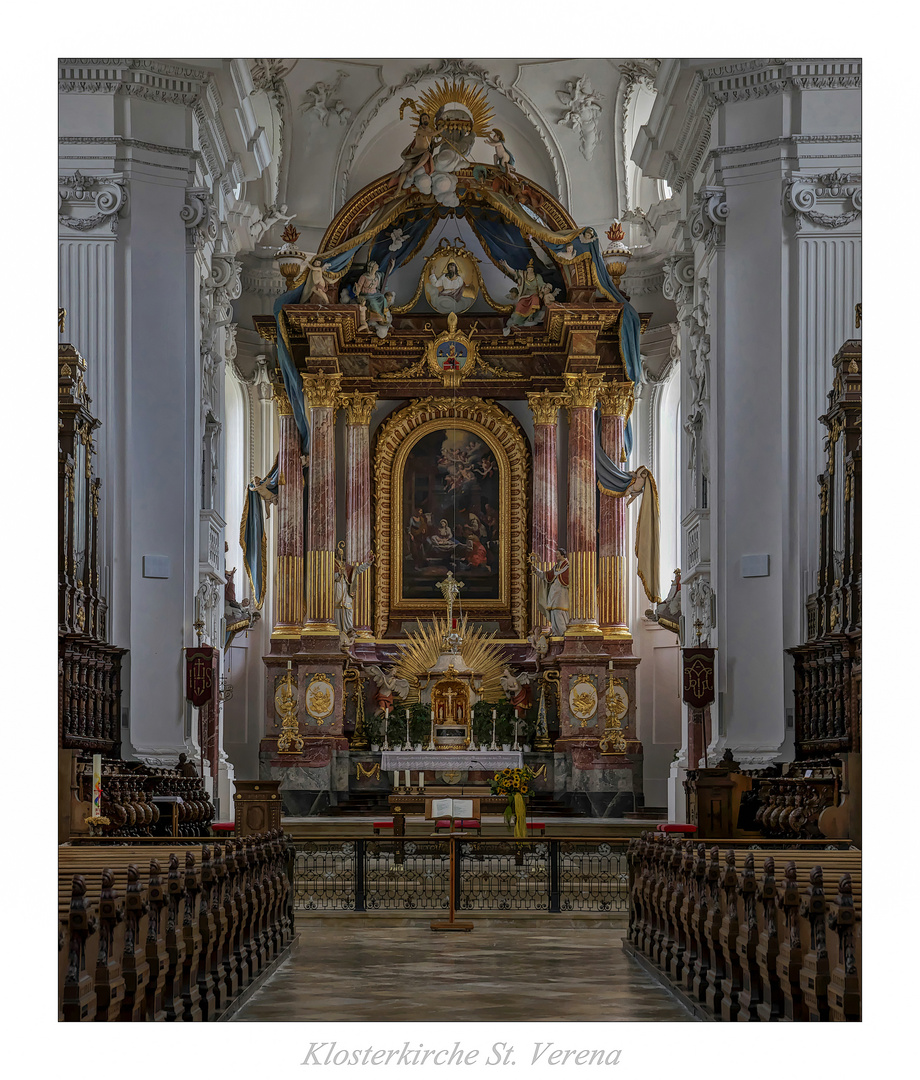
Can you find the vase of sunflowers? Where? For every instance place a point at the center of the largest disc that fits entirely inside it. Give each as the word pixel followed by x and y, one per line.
pixel 516 785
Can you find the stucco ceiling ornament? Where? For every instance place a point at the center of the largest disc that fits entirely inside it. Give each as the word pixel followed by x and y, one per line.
pixel 319 102
pixel 107 194
pixel 582 112
pixel 836 191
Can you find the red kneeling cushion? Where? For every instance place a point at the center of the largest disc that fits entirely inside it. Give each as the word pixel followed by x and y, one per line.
pixel 535 825
pixel 223 826
pixel 676 828
pixel 383 824
pixel 470 823
pixel 444 823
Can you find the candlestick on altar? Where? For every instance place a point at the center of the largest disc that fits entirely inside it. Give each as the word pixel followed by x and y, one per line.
pixel 421 781
pixel 386 728
pixel 516 722
pixel 97 785
pixel 494 745
pixel 408 743
pixel 396 780
pixel 430 745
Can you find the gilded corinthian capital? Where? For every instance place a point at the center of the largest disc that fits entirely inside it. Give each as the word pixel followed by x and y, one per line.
pixel 616 399
pixel 545 406
pixel 582 388
pixel 281 400
pixel 321 391
pixel 358 406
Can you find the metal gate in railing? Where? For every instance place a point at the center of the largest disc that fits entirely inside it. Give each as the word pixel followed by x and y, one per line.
pixel 412 874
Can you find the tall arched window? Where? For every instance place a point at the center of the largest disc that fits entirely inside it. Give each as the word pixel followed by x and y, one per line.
pixel 235 471
pixel 668 472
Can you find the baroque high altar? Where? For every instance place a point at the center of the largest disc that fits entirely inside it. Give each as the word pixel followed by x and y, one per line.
pixel 454 381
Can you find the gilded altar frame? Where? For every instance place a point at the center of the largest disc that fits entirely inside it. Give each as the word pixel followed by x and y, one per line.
pixel 499 430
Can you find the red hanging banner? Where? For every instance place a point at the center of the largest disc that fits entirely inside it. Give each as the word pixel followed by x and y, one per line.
pixel 199 675
pixel 699 677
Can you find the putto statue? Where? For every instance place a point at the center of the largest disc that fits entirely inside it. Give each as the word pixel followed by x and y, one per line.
pixel 517 688
pixel 389 686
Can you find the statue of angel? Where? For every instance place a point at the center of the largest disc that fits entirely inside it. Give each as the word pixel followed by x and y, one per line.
pixel 273 216
pixel 516 687
pixel 637 484
pixel 397 239
pixel 268 497
pixel 389 686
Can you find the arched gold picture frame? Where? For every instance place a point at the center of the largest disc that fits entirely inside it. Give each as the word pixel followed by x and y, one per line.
pixel 494 428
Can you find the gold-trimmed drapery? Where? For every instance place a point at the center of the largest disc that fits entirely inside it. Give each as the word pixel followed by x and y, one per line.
pixel 498 429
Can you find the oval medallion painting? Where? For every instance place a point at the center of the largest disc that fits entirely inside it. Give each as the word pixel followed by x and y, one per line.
pixel 452 284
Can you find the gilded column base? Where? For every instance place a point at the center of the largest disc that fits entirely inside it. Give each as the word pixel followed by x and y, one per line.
pixel 617 633
pixel 286 633
pixel 585 629
pixel 319 629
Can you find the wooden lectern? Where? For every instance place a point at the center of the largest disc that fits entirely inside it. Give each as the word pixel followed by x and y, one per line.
pixel 466 810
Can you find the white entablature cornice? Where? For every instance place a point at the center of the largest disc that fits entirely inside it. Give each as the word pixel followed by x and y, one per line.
pixel 153 80
pixel 672 144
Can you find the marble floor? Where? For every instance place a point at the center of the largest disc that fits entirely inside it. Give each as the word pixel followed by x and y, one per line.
pixel 541 972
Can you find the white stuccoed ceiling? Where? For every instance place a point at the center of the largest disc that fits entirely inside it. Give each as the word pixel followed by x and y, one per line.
pixel 355 135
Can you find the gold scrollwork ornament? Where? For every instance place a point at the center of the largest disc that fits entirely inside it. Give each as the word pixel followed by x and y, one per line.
pixel 290 741
pixel 616 699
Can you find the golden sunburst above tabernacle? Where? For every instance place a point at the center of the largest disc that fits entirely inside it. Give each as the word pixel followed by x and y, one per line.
pixel 482 655
pixel 472 99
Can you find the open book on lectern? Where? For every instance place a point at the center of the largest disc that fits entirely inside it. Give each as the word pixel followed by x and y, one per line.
pixel 451 808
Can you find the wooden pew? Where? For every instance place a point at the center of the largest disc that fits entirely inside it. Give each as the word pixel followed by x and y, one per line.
pixel 184 945
pixel 742 946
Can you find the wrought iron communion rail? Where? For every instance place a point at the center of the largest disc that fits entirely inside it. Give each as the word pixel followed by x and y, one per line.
pixel 413 875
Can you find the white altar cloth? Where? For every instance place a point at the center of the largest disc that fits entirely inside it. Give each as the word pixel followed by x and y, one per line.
pixel 451 759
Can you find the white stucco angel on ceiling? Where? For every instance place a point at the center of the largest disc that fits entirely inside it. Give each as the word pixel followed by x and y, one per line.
pixel 318 101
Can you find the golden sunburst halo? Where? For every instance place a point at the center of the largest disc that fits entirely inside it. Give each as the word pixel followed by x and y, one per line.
pixel 481 655
pixel 472 99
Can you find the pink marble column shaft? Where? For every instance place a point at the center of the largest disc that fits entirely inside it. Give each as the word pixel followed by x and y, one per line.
pixel 545 493
pixel 582 523
pixel 358 502
pixel 289 542
pixel 321 392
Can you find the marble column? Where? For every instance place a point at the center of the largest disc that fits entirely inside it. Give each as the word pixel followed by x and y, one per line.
pixel 616 403
pixel 321 394
pixel 289 530
pixel 545 408
pixel 582 389
pixel 358 502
